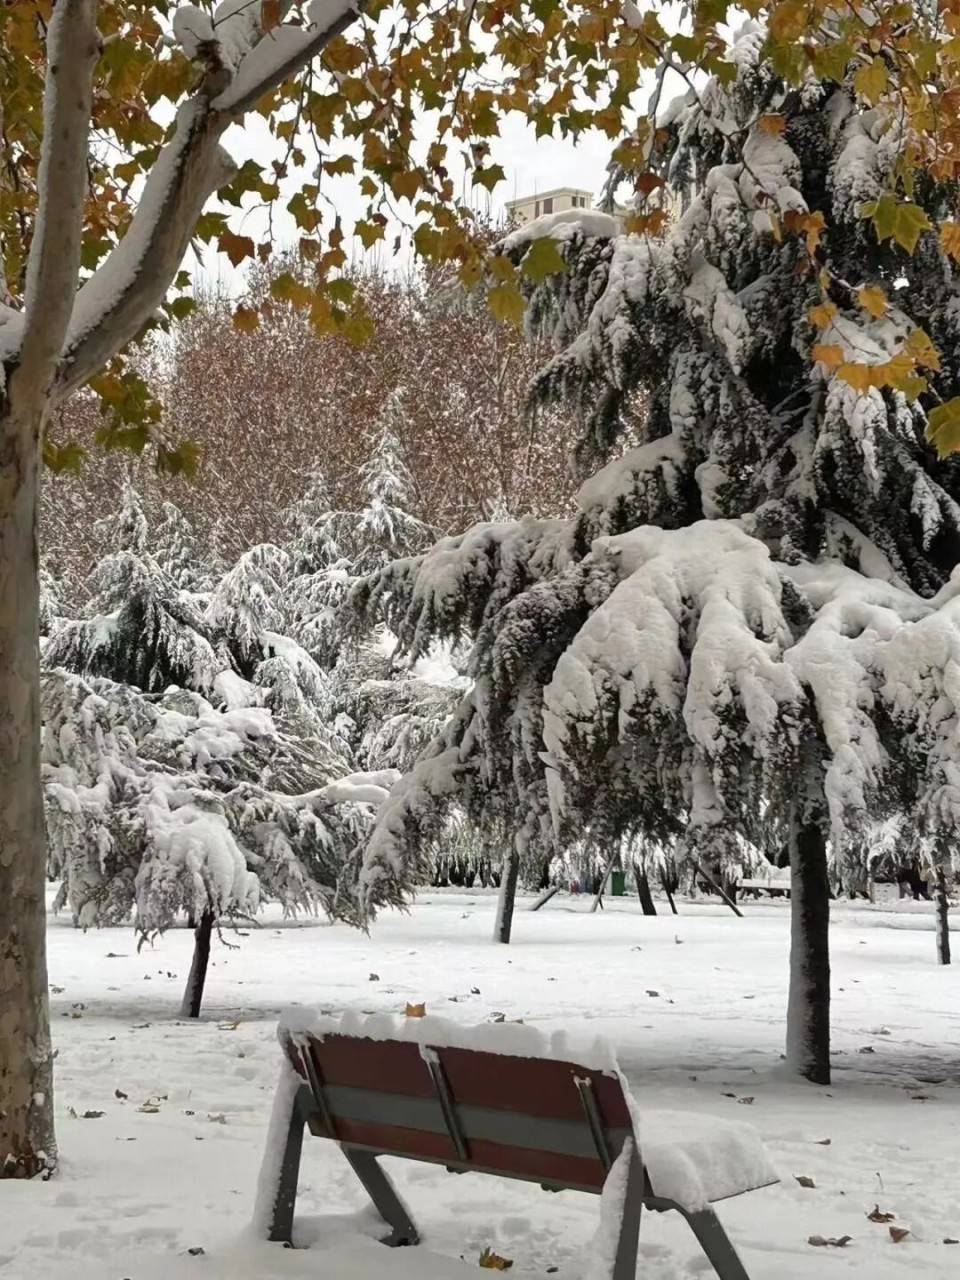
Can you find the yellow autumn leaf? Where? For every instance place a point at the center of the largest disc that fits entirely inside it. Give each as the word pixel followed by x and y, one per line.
pixel 236 247
pixel 950 239
pixel 405 184
pixel 943 427
pixel 814 224
pixel 269 14
pixel 501 268
pixel 822 315
pixel 246 319
pixel 416 1011
pixel 829 355
pixel 909 221
pixel 919 346
pixel 772 123
pixel 506 304
pixel 871 80
pixel 646 223
pixel 858 376
pixel 873 299
pixel 542 259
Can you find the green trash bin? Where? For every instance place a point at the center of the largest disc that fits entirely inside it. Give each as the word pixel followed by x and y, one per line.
pixel 618 884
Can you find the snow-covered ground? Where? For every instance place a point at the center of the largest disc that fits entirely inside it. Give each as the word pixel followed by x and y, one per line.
pixel 693 1003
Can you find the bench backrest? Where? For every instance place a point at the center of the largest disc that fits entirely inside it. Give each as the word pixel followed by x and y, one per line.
pixel 555 1123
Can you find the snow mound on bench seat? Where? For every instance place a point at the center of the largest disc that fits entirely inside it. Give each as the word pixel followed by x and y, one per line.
pixel 696 1159
pixel 511 1038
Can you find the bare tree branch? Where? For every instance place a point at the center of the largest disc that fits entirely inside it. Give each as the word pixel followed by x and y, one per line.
pixel 73 46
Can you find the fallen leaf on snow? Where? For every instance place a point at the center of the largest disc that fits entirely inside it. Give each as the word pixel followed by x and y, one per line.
pixel 878 1215
pixel 653 993
pixel 494 1262
pixel 374 977
pixel 824 1142
pixel 149 1108
pixel 118 1093
pixel 416 1010
pixel 804 1180
pixel 833 1242
pixel 950 1240
pixel 898 1233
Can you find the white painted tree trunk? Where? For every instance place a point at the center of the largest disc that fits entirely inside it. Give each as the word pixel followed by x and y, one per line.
pixel 808 1004
pixel 27 1144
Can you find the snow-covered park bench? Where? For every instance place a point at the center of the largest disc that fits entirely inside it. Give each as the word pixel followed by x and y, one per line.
pixel 501 1100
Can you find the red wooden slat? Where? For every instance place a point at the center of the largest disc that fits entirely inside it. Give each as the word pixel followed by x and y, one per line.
pixel 387 1066
pixel 495 1157
pixel 531 1086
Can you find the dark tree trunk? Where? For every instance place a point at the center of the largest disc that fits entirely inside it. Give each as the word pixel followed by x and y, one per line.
pixel 718 889
pixel 508 894
pixel 193 995
pixel 943 919
pixel 545 897
pixel 647 905
pixel 808 1005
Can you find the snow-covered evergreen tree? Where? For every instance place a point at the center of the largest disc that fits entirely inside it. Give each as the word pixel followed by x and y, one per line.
pixel 385 529
pixel 331 548
pixel 750 629
pixel 246 604
pixel 51 601
pixel 164 806
pixel 179 554
pixel 139 627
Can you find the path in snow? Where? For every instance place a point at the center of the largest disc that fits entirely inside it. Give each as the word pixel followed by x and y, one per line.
pixel 694 1003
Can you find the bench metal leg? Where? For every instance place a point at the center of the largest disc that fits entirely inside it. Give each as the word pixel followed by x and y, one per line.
pixel 384 1196
pixel 281 1221
pixel 714 1241
pixel 716 1244
pixel 625 1262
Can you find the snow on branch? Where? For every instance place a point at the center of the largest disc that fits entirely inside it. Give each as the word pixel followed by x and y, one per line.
pixel 463 580
pixel 283 50
pixel 118 299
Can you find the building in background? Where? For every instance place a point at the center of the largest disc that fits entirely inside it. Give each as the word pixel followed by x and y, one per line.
pixel 525 208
